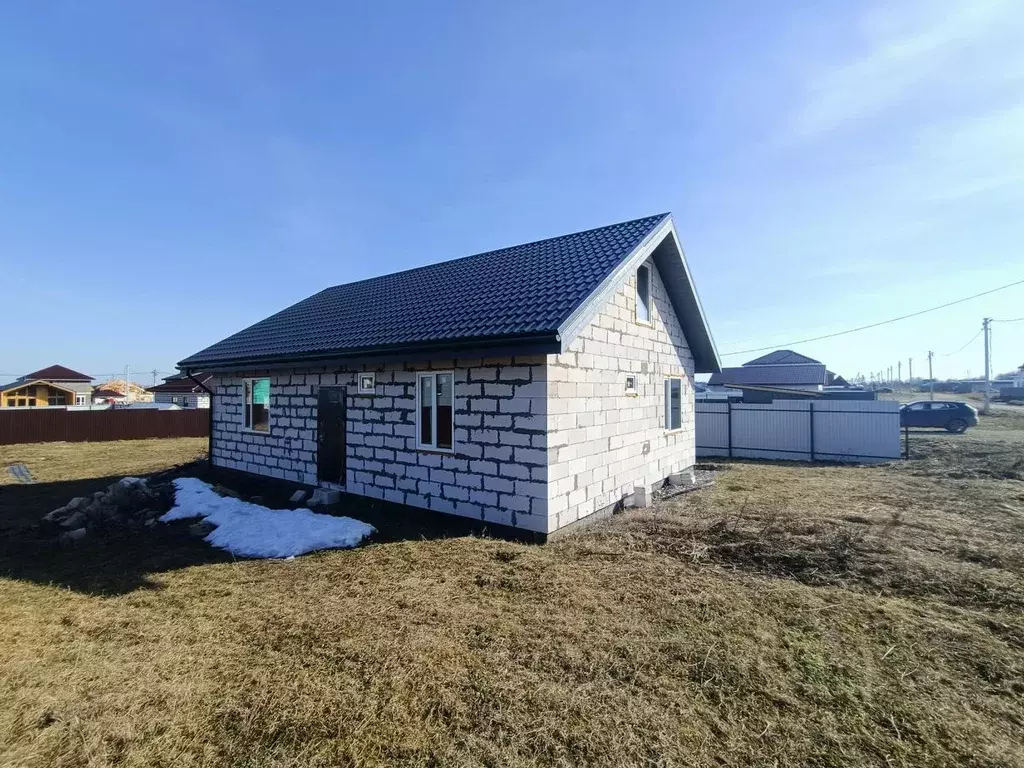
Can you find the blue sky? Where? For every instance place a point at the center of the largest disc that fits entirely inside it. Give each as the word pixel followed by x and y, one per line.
pixel 173 172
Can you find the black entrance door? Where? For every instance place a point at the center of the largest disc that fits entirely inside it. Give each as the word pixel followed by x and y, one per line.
pixel 330 436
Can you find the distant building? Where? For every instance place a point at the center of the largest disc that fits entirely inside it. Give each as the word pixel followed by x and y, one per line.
pixel 53 386
pixel 181 390
pixel 781 368
pixel 102 396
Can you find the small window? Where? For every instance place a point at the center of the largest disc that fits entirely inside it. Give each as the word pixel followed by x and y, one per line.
pixel 175 399
pixel 435 394
pixel 673 404
pixel 79 399
pixel 257 405
pixel 631 385
pixel 643 294
pixel 367 383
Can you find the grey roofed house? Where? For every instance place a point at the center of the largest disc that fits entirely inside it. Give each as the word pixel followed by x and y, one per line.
pixel 781 368
pixel 783 357
pixel 532 386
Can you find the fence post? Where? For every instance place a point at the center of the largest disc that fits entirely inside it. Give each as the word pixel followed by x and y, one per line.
pixel 906 443
pixel 811 411
pixel 728 404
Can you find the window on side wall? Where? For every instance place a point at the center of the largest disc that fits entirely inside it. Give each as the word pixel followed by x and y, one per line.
pixel 643 294
pixel 673 403
pixel 435 411
pixel 257 405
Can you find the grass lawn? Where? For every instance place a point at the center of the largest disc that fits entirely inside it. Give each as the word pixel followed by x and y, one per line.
pixel 790 615
pixel 62 471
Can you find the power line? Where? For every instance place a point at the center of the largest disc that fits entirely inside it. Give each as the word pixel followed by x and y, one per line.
pixel 965 346
pixel 1015 320
pixel 876 325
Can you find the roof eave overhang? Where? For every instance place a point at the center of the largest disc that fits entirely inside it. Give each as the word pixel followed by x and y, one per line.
pixel 35 382
pixel 491 346
pixel 675 274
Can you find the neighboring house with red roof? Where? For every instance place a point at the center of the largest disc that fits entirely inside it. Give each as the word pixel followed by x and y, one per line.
pixel 181 390
pixel 52 386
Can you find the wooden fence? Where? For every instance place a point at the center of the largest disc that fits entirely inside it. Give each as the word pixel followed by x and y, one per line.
pixel 56 424
pixel 805 430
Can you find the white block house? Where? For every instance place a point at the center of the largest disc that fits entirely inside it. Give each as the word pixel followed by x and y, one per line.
pixel 531 387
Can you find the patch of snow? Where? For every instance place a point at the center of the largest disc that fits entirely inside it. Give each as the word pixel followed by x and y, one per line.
pixel 250 530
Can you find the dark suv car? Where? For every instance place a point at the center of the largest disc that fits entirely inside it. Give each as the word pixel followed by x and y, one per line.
pixel 954 417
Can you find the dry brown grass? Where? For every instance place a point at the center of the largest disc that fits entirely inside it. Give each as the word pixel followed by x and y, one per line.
pixel 60 462
pixel 791 615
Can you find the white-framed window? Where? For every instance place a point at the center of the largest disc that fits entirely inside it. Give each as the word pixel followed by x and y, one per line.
pixel 673 403
pixel 257 405
pixel 631 385
pixel 175 399
pixel 79 399
pixel 435 410
pixel 367 383
pixel 643 294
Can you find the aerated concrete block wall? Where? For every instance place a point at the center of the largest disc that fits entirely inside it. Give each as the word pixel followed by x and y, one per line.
pixel 602 442
pixel 497 472
pixel 540 442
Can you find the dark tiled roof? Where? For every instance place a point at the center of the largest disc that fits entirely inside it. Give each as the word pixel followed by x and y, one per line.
pixel 781 375
pixel 57 373
pixel 181 383
pixel 523 291
pixel 782 357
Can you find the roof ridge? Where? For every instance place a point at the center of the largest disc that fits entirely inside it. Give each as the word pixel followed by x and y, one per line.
pixel 525 244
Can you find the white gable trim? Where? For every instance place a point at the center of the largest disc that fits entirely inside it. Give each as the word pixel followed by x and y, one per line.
pixel 585 312
pixel 679 285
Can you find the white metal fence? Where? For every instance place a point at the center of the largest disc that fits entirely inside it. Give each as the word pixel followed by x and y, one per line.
pixel 805 430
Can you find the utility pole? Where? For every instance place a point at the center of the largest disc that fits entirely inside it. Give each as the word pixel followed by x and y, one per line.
pixel 931 379
pixel 899 372
pixel 910 371
pixel 986 327
pixel 128 383
pixel 154 376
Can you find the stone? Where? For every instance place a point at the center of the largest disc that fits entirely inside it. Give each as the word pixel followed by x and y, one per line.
pixel 70 537
pixel 99 494
pixel 79 502
pixel 151 523
pixel 298 497
pixel 77 519
pixel 682 478
pixel 201 529
pixel 57 515
pixel 223 491
pixel 325 497
pixel 641 496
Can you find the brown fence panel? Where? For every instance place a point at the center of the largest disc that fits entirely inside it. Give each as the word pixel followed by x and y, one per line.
pixel 55 424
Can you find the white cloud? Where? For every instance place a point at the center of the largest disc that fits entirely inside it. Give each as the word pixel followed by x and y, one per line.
pixel 908 50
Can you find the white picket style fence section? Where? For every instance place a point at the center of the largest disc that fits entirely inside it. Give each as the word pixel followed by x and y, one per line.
pixel 860 431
